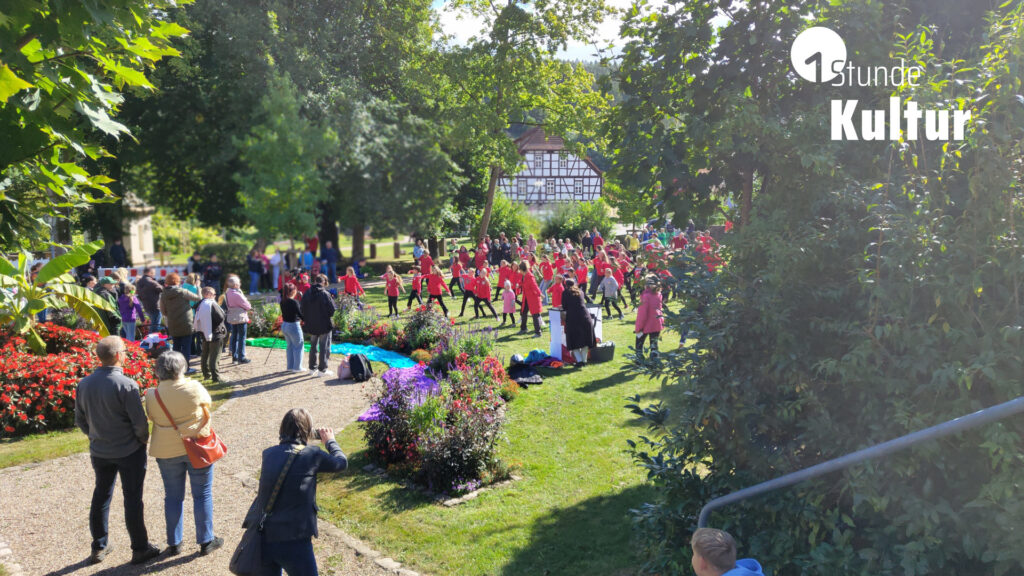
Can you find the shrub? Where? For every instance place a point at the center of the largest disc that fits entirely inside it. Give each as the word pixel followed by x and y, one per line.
pixel 387 335
pixel 420 356
pixel 572 219
pixel 231 256
pixel 462 346
pixel 426 327
pixel 265 321
pixel 509 390
pixel 358 325
pixel 387 427
pixel 37 393
pixel 508 217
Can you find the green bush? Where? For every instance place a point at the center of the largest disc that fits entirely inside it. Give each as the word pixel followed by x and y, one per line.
pixel 508 217
pixel 573 219
pixel 231 256
pixel 855 312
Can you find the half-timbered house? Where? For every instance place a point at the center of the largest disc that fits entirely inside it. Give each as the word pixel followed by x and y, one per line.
pixel 552 174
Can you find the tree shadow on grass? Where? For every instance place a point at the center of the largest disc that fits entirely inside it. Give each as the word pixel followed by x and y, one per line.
pixel 397 497
pixel 592 538
pixel 620 377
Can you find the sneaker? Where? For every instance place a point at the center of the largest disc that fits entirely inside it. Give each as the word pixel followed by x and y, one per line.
pixel 537 335
pixel 313 370
pixel 244 360
pixel 219 380
pixel 190 371
pixel 172 550
pixel 234 358
pixel 210 546
pixel 143 556
pixel 323 373
pixel 522 332
pixel 97 556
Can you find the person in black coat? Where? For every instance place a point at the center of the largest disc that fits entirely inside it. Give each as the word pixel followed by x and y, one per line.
pixel 289 529
pixel 579 326
pixel 317 313
pixel 118 255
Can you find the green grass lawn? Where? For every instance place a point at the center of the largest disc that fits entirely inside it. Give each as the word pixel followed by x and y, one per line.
pixel 569 513
pixel 42 447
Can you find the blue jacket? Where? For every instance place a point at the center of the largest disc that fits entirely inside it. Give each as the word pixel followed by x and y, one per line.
pixel 294 513
pixel 745 567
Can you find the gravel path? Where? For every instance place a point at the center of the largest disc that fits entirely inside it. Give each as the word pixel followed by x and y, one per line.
pixel 44 508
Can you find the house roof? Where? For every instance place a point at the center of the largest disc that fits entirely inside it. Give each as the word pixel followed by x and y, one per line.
pixel 535 139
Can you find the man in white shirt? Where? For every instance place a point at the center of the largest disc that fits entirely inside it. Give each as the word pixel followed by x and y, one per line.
pixel 209 321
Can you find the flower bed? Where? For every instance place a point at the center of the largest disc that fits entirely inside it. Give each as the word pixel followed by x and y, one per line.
pixel 440 433
pixel 37 393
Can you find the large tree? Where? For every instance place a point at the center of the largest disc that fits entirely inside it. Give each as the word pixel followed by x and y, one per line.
pixel 63 68
pixel 511 70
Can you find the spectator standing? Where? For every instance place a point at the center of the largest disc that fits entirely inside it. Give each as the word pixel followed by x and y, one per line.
pixel 307 260
pixel 649 322
pixel 176 306
pixel 131 312
pixel 149 294
pixel 291 328
pixel 195 263
pixel 330 257
pixel 118 255
pixel 317 308
pixel 588 244
pixel 255 265
pixel 238 308
pixel 579 327
pixel 714 554
pixel 212 272
pixel 107 291
pixel 211 326
pixel 108 409
pixel 186 402
pixel 276 261
pixel 288 532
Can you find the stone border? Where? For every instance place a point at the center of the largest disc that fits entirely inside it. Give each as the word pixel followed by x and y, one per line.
pixel 439 498
pixel 7 560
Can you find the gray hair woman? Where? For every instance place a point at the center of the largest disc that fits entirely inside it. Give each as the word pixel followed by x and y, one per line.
pixel 186 402
pixel 237 307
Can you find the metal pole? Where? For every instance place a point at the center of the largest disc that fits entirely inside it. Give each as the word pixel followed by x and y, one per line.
pixel 979 418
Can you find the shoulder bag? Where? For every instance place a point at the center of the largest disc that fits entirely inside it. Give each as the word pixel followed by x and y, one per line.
pixel 248 557
pixel 202 452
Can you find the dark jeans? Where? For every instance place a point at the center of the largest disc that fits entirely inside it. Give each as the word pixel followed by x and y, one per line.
pixel 208 361
pixel 183 344
pixel 609 302
pixel 536 322
pixel 294 556
pixel 440 300
pixel 466 297
pixel 237 345
pixel 132 470
pixel 654 342
pixel 393 305
pixel 324 343
pixel 479 305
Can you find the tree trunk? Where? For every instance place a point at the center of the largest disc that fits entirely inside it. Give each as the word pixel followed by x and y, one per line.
pixel 485 220
pixel 358 240
pixel 432 247
pixel 747 198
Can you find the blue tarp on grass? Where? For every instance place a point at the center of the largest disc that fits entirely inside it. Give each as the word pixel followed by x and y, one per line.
pixel 372 353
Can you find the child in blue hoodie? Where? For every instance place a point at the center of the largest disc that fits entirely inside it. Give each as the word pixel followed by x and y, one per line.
pixel 714 554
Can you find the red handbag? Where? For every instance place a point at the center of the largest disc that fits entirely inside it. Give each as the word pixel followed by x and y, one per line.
pixel 202 452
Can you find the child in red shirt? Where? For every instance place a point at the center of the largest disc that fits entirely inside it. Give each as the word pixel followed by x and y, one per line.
pixel 468 288
pixel 503 274
pixel 556 289
pixel 547 274
pixel 457 269
pixel 482 289
pixel 414 290
pixel 393 286
pixel 352 285
pixel 436 288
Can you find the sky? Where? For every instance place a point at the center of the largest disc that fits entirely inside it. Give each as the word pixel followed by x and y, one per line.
pixel 462 27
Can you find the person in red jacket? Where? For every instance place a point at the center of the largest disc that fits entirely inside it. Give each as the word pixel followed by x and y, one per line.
pixel 468 280
pixel 531 300
pixel 426 262
pixel 556 289
pixel 393 286
pixel 415 285
pixel 480 259
pixel 436 288
pixel 649 322
pixel 580 267
pixel 352 285
pixel 482 289
pixel 464 256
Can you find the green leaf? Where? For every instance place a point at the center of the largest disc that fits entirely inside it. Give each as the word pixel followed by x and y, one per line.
pixel 65 262
pixel 100 120
pixel 74 292
pixel 10 84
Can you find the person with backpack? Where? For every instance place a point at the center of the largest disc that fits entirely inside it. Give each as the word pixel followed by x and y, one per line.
pixel 317 309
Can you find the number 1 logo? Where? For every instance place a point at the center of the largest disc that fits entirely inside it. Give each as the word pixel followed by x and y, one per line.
pixel 815 52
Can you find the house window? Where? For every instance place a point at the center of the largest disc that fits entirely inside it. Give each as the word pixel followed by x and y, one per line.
pixel 538 161
pixel 549 188
pixel 520 188
pixel 563 161
pixel 577 188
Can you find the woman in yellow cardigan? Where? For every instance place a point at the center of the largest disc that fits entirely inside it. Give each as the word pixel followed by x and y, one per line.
pixel 189 404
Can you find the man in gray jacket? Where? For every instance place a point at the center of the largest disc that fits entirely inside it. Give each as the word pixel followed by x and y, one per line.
pixel 108 409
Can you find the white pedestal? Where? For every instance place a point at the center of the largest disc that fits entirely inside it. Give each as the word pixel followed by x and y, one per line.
pixel 556 326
